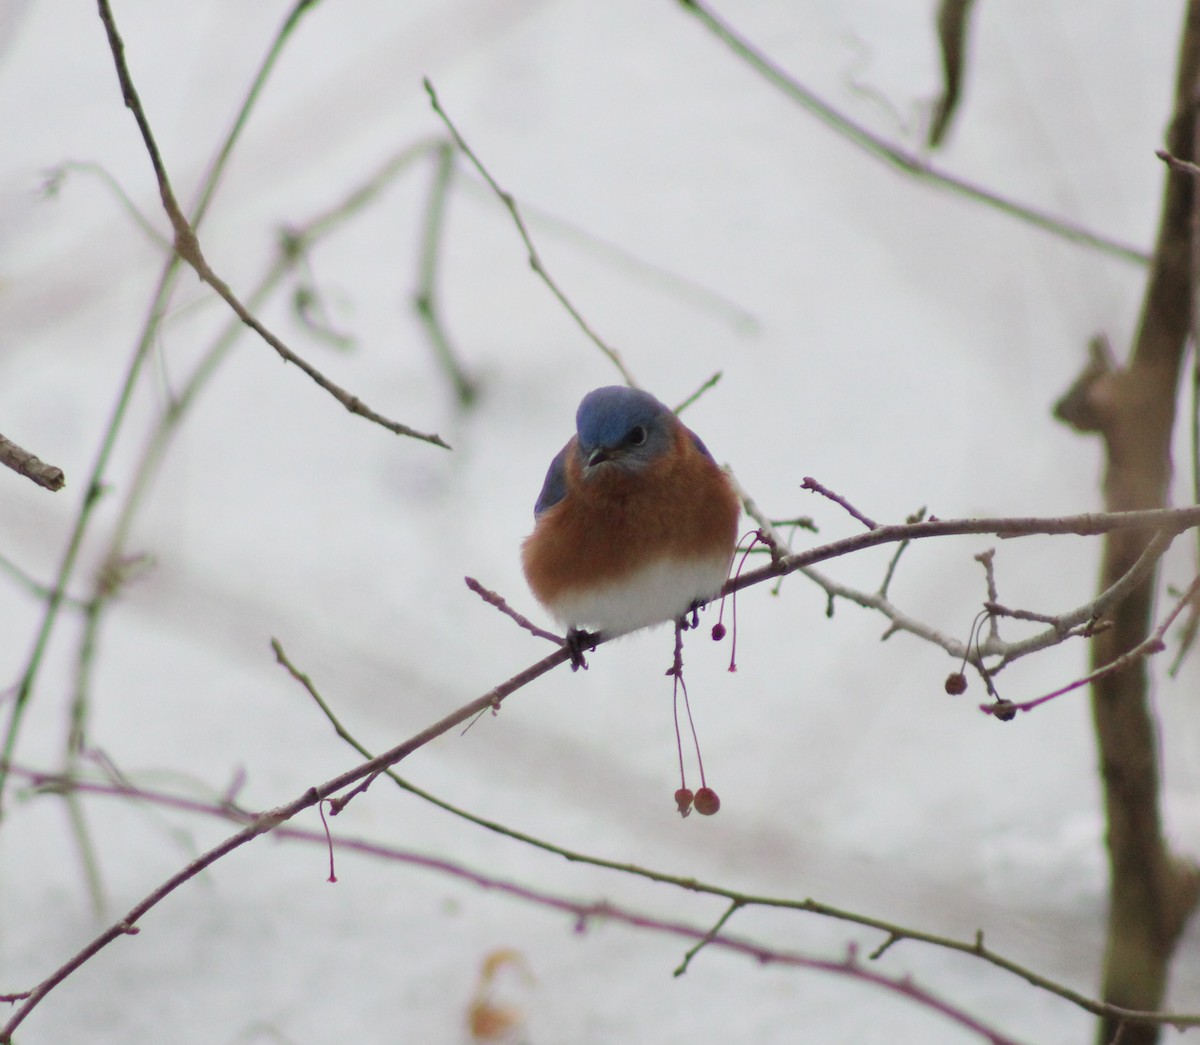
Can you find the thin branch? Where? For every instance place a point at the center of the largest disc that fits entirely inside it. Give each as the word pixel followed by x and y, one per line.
pixel 647 273
pixel 1078 622
pixel 776 545
pixel 1170 521
pixel 890 572
pixel 425 297
pixel 708 938
pixel 582 913
pixel 535 259
pixel 212 179
pixel 35 586
pixel 493 599
pixel 1176 164
pixel 24 463
pixel 952 23
pixel 710 383
pixel 904 160
pixel 56 175
pixel 893 934
pixel 811 484
pixel 187 246
pixel 1150 645
pixel 272 819
pixel 292 247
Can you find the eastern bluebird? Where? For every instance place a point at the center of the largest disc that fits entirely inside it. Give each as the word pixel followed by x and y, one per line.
pixel 635 523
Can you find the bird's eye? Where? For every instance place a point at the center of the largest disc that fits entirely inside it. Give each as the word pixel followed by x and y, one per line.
pixel 637 436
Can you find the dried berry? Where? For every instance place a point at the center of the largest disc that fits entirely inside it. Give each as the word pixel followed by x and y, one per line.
pixel 1004 710
pixel 707 801
pixel 956 683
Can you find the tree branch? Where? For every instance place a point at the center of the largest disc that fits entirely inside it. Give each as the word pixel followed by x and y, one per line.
pixel 187 246
pixel 904 160
pixel 24 463
pixel 535 259
pixel 360 777
pixel 1152 893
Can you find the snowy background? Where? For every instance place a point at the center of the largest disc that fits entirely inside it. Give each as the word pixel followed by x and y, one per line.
pixel 902 345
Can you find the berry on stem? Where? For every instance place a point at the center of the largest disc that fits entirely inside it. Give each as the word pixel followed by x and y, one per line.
pixel 683 800
pixel 707 802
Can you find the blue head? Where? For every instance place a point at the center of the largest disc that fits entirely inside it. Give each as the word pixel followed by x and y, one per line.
pixel 616 426
pixel 625 426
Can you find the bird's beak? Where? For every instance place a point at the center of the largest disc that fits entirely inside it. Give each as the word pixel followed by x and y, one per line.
pixel 599 456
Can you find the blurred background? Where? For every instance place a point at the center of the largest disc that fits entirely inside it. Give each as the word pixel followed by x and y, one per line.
pixel 900 343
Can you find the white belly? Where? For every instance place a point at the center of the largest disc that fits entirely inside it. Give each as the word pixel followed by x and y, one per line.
pixel 657 593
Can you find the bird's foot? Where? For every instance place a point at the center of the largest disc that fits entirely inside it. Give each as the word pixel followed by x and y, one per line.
pixel 577 642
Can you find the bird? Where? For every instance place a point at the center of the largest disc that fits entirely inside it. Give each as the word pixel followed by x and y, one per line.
pixel 635 525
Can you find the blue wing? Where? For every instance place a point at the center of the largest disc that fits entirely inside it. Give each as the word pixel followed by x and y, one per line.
pixel 700 444
pixel 554 489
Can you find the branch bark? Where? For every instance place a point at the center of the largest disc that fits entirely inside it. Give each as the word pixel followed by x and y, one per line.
pixel 1152 893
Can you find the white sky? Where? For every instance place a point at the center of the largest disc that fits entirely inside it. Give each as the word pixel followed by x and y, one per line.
pixel 906 348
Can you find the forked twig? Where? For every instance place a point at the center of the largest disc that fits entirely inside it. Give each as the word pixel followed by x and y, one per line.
pixel 187 246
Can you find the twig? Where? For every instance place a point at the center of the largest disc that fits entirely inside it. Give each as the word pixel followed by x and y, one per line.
pixel 56 175
pixel 1176 164
pixel 212 179
pixel 1077 622
pixel 908 162
pixel 581 912
pixel 708 938
pixel 292 248
pixel 535 259
pixel 1151 644
pixel 57 784
pixel 187 246
pixel 987 560
pixel 271 819
pixel 890 572
pixel 24 463
pixel 710 383
pixel 1169 521
pixel 776 545
pixel 492 599
pixel 35 586
pixel 811 484
pixel 952 22
pixel 647 272
pixel 425 298
pixel 997 609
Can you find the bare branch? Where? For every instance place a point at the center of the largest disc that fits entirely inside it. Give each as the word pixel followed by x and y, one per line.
pixel 187 246
pixel 535 259
pixel 811 484
pixel 953 19
pixel 24 463
pixel 908 162
pixel 270 820
pixel 710 383
pixel 492 599
pixel 1151 644
pixel 893 933
pixel 425 299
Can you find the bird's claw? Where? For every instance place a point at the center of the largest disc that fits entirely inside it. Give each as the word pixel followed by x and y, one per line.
pixel 577 642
